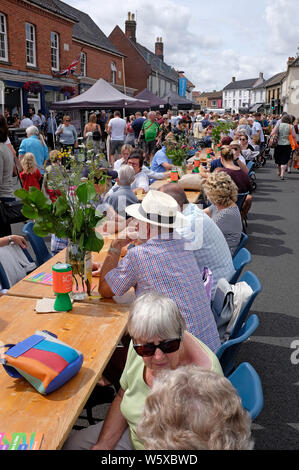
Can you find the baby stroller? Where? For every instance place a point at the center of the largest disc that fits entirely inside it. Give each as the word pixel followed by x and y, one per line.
pixel 251 174
pixel 267 149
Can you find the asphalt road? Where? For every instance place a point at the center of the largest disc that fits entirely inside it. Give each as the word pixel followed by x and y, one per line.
pixel 274 245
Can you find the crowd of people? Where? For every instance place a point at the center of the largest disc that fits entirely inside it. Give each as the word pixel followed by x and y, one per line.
pixel 162 246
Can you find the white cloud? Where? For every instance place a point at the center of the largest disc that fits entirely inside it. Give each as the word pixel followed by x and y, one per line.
pixel 282 20
pixel 210 41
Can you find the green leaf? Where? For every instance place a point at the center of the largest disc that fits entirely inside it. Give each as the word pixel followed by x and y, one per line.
pixel 78 220
pixel 81 241
pixel 22 194
pixel 61 232
pixel 94 242
pixel 29 212
pixel 40 230
pixel 60 206
pixel 86 192
pixel 37 197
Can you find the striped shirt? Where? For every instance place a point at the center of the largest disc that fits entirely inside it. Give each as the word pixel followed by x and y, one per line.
pixel 162 265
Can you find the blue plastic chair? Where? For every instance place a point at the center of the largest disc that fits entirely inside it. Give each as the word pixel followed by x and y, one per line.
pixel 241 199
pixel 3 278
pixel 250 166
pixel 247 382
pixel 38 245
pixel 253 281
pixel 228 351
pixel 243 240
pixel 240 260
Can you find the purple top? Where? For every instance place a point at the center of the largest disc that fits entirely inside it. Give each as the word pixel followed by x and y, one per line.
pixel 240 178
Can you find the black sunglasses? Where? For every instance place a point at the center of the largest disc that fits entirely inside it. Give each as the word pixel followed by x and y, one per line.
pixel 167 346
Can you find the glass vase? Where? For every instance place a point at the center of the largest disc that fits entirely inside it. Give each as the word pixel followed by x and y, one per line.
pixel 184 168
pixel 80 260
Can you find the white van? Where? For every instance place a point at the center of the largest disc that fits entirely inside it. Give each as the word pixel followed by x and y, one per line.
pixel 215 110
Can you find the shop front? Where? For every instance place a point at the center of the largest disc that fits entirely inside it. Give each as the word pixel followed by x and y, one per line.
pixel 19 93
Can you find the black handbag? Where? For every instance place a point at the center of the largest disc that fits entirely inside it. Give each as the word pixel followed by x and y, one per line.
pixel 11 212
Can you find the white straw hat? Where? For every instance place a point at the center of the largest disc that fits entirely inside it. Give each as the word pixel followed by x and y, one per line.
pixel 158 208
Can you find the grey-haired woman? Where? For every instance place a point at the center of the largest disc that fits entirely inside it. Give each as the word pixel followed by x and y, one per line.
pixel 159 341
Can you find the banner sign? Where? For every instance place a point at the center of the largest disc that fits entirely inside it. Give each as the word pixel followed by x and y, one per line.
pixel 182 86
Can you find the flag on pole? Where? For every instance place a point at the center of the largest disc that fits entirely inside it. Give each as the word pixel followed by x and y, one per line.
pixel 71 68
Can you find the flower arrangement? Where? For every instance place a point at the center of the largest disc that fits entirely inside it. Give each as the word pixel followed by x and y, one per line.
pixel 33 87
pixel 222 128
pixel 177 150
pixel 73 214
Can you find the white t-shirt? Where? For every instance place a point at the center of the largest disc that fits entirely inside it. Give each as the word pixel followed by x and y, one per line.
pixel 117 126
pixel 257 127
pixel 141 181
pixel 118 164
pixel 242 159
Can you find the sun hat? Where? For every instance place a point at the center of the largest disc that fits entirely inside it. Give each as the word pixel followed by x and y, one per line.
pixel 158 208
pixel 235 143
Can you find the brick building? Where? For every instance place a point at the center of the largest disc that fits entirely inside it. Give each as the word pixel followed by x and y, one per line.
pixel 273 92
pixel 143 68
pixel 210 99
pixel 41 38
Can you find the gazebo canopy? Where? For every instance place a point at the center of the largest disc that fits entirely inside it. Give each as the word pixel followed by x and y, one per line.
pixel 173 99
pixel 100 95
pixel 154 101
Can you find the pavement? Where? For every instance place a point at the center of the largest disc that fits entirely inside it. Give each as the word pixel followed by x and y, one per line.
pixel 273 236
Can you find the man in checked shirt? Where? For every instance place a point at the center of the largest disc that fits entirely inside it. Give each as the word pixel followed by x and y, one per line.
pixel 160 263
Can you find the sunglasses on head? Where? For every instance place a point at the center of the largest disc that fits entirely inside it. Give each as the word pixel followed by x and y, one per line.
pixel 167 346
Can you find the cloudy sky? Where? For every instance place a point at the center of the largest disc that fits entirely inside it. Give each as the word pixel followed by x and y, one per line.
pixel 212 41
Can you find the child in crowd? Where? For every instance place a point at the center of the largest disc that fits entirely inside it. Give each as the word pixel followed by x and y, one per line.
pixel 255 140
pixel 54 161
pixel 30 176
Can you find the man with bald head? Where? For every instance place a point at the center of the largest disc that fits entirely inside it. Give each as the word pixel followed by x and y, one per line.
pixel 203 237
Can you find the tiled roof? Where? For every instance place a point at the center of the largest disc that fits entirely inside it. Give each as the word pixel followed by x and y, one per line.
pixel 53 6
pixel 86 29
pixel 156 63
pixel 275 80
pixel 241 84
pixel 211 94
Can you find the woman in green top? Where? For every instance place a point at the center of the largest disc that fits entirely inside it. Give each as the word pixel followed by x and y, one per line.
pixel 159 342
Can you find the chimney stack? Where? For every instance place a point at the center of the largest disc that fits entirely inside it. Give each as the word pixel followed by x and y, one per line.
pixel 159 48
pixel 130 27
pixel 262 75
pixel 233 79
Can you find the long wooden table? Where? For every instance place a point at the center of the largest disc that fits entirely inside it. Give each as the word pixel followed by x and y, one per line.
pixel 192 196
pixel 95 330
pixel 38 291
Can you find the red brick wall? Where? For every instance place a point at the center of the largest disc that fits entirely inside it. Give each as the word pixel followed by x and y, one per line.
pixel 98 63
pixel 18 13
pixel 136 69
